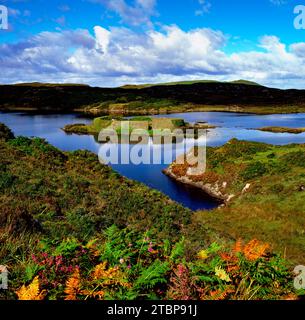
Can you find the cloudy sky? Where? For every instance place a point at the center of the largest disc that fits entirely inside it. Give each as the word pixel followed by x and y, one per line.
pixel 114 42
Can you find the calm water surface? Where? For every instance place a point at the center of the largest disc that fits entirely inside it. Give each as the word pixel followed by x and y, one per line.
pixel 231 125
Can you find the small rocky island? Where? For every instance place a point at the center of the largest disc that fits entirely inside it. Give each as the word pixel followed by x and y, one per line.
pixel 143 123
pixel 283 130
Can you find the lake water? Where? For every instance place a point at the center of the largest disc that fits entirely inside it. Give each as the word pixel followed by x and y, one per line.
pixel 230 125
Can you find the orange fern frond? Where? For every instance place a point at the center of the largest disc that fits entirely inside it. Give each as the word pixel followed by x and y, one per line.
pixel 108 277
pixel 94 294
pixel 100 272
pixel 255 250
pixel 99 295
pixel 232 268
pixel 238 246
pixel 73 286
pixel 229 258
pixel 31 292
pixel 220 294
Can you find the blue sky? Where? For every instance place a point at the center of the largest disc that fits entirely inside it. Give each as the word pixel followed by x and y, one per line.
pixel 109 43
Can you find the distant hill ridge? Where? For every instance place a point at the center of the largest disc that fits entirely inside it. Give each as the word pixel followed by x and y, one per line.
pixel 140 86
pixel 45 84
pixel 237 96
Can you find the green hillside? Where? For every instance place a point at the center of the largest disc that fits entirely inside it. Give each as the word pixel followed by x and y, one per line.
pixel 73 229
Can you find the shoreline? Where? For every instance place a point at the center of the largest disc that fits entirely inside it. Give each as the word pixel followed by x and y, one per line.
pixel 255 110
pixel 207 190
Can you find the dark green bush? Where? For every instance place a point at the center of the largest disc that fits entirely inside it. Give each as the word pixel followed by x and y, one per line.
pixel 37 147
pixel 236 148
pixel 178 123
pixel 6 180
pixel 296 158
pixel 254 170
pixel 5 133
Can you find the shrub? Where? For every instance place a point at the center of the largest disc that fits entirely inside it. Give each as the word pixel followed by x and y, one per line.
pixel 178 123
pixel 5 132
pixel 296 158
pixel 254 170
pixel 37 147
pixel 6 180
pixel 236 148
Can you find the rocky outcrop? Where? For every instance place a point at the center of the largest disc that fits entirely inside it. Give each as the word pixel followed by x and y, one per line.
pixel 187 171
pixel 214 191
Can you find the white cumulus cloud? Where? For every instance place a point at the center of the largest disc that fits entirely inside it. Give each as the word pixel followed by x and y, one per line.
pixel 116 56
